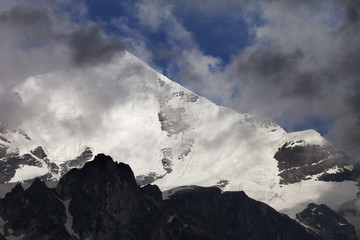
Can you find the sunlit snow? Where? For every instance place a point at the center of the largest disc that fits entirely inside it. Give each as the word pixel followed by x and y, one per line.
pixel 116 109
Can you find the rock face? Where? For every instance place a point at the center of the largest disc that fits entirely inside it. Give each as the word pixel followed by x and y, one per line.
pixel 78 162
pixel 15 167
pixel 36 213
pixel 326 223
pixel 300 162
pixel 103 201
pixel 10 163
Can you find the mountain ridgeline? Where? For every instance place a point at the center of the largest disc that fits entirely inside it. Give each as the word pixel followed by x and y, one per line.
pixel 171 137
pixel 103 201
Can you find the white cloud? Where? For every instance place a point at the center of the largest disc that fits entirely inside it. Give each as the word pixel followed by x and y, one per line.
pixel 154 14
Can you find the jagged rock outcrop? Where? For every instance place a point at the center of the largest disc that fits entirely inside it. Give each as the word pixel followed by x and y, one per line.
pixel 297 163
pixel 345 175
pixel 10 163
pixel 103 201
pixel 36 213
pixel 106 202
pixel 78 162
pixel 326 223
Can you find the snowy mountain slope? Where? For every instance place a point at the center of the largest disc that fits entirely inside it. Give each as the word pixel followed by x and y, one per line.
pixel 168 135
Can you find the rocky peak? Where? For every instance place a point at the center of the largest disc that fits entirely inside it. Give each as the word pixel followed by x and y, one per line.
pixel 39 152
pixel 35 213
pixel 326 223
pixel 104 194
pixel 103 201
pixel 101 174
pixel 302 162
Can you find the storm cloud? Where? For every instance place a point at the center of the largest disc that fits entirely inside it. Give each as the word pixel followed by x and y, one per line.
pixel 280 71
pixel 90 47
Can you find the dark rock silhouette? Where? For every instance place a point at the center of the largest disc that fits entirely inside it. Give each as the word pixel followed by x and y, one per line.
pixel 103 201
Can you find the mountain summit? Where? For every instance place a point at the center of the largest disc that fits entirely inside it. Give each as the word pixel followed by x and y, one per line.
pixel 170 136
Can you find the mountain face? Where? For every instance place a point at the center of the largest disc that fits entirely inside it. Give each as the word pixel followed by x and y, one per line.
pixel 103 201
pixel 170 136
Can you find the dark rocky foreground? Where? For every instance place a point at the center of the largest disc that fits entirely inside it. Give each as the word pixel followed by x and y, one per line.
pixel 103 201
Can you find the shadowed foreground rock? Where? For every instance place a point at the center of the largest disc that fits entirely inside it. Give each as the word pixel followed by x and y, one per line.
pixel 103 201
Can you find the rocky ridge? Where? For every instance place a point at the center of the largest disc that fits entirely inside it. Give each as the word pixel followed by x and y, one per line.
pixel 103 201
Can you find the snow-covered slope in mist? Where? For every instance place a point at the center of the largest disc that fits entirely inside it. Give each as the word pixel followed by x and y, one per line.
pixel 168 135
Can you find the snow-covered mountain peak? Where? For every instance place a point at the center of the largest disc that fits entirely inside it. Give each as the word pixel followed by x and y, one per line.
pixel 303 138
pixel 168 135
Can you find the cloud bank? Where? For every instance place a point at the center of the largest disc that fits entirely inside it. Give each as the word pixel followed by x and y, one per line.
pixel 43 39
pixel 302 67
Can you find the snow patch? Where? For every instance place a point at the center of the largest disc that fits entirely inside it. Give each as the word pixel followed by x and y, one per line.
pixel 171 218
pixel 303 138
pixel 334 170
pixel 69 219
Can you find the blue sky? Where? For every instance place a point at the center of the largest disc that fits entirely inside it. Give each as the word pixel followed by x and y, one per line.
pixel 294 62
pixel 218 35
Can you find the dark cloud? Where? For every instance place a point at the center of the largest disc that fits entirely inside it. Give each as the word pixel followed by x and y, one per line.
pixel 347 129
pixel 277 71
pixel 26 36
pixel 352 8
pixel 21 17
pixel 11 109
pixel 314 79
pixel 269 62
pixel 89 46
pixel 37 28
pixel 40 38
